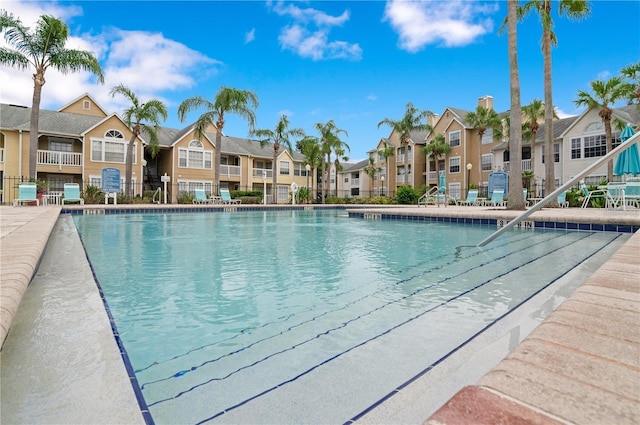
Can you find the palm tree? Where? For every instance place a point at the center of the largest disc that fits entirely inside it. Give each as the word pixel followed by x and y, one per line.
pixel 42 49
pixel 573 9
pixel 340 154
pixel 138 118
pixel 309 146
pixel 436 148
pixel 227 101
pixel 605 94
pixel 371 170
pixel 411 121
pixel 329 141
pixel 480 120
pixel 386 152
pixel 632 72
pixel 532 114
pixel 280 134
pixel 516 201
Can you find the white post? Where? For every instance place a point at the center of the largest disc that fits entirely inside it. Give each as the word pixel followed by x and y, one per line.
pixel 165 179
pixel 264 190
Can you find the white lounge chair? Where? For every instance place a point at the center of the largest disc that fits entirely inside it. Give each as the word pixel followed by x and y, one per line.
pixel 226 197
pixel 201 197
pixel 472 198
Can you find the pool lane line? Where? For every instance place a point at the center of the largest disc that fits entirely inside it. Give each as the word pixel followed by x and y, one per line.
pixel 344 324
pixel 137 390
pixel 391 329
pixel 474 336
pixel 410 278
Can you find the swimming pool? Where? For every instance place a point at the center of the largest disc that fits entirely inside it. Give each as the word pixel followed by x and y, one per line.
pixel 310 317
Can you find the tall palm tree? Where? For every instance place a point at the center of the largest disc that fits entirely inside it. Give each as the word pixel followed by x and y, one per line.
pixel 386 152
pixel 42 49
pixel 309 146
pixel 532 114
pixel 480 120
pixel 340 155
pixel 515 200
pixel 227 101
pixel 605 94
pixel 573 9
pixel 436 148
pixel 140 117
pixel 411 121
pixel 279 135
pixel 371 170
pixel 329 141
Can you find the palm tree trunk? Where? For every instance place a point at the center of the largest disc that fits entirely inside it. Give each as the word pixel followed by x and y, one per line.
pixel 274 170
pixel 533 157
pixel 216 172
pixel 38 82
pixel 550 175
pixel 609 138
pixel 128 168
pixel 323 180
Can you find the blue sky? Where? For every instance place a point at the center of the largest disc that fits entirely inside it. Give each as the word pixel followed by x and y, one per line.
pixel 356 62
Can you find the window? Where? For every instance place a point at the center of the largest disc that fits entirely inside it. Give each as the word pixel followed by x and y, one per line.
pixel 112 149
pixel 487 162
pixel 615 140
pixel 114 134
pixel 595 146
pixel 195 156
pixel 284 168
pixel 454 165
pixel 487 136
pixel 283 193
pixel 454 138
pixel 556 153
pixel 97 182
pixel 454 190
pixel 61 146
pixel 191 185
pixel 86 105
pixel 576 148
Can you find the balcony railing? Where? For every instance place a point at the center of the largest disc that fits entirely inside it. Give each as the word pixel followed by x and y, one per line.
pixel 433 175
pixel 230 170
pixel 526 165
pixel 355 182
pixel 259 172
pixel 71 159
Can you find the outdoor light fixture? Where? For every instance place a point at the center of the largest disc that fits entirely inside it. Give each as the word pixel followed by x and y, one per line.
pixel 308 168
pixel 382 179
pixel 469 167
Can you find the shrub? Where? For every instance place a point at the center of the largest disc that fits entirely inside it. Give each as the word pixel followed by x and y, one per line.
pixel 93 195
pixel 407 195
pixel 185 198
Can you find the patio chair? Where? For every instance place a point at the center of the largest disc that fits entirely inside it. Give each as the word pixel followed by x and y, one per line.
pixel 472 198
pixel 497 198
pixel 591 194
pixel 27 192
pixel 525 194
pixel 72 193
pixel 201 197
pixel 562 200
pixel 632 192
pixel 226 197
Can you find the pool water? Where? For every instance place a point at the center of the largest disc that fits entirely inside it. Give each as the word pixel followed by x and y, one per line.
pixel 305 317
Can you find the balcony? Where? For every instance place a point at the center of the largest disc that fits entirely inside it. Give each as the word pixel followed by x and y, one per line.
pixel 355 182
pixel 259 172
pixel 59 159
pixel 230 170
pixel 433 175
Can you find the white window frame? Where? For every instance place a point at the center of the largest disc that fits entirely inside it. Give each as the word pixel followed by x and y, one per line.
pixel 284 168
pixel 452 140
pixel 452 163
pixel 97 182
pixel 186 185
pixel 112 138
pixel 283 193
pixel 487 136
pixel 455 190
pixel 195 148
pixel 484 166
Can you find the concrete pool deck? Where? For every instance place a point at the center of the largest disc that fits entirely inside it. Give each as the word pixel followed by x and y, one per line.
pixel 582 365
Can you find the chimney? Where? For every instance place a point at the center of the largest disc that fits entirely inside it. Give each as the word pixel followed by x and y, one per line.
pixel 432 119
pixel 486 102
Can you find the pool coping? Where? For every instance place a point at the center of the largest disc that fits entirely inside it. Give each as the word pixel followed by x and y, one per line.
pixel 25 232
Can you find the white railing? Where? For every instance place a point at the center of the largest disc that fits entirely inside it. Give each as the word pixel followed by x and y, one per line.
pixel 230 170
pixel 400 178
pixel 433 175
pixel 1 154
pixel 355 182
pixel 400 158
pixel 526 165
pixel 258 172
pixel 59 158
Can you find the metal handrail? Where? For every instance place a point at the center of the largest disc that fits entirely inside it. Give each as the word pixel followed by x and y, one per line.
pixel 157 192
pixel 622 147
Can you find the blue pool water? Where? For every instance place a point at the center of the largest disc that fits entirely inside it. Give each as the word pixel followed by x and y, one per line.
pixel 305 317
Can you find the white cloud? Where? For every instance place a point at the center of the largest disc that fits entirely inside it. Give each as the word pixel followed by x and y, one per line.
pixel 603 75
pixel 134 58
pixel 250 36
pixel 372 97
pixel 452 24
pixel 314 43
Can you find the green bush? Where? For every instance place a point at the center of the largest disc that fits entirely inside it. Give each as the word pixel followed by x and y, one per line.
pixel 185 198
pixel 407 195
pixel 93 195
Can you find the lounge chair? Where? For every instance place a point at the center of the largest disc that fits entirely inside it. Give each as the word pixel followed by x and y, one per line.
pixel 632 192
pixel 27 192
pixel 562 200
pixel 497 198
pixel 201 197
pixel 472 198
pixel 592 194
pixel 226 197
pixel 72 193
pixel 525 194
